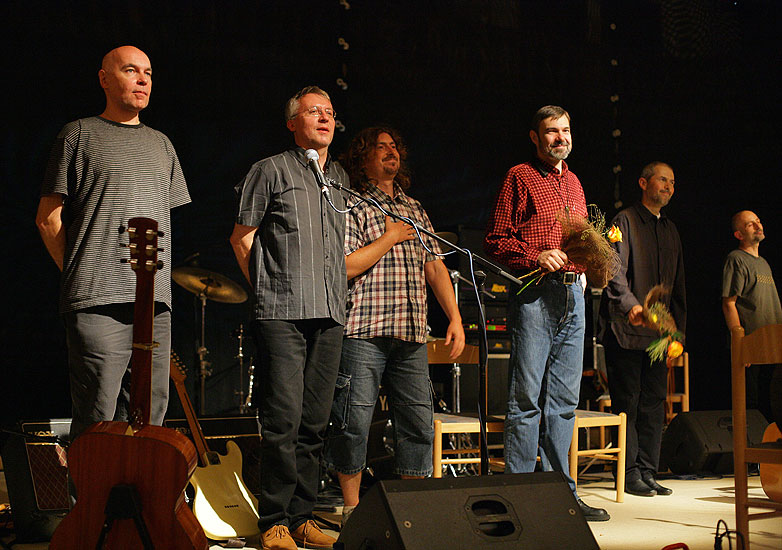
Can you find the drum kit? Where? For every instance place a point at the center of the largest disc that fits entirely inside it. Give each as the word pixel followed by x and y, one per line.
pixel 209 285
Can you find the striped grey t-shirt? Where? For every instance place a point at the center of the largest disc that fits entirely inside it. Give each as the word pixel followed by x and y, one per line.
pixel 297 264
pixel 108 173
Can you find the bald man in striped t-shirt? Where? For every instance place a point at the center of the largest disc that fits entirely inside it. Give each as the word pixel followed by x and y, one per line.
pixel 103 171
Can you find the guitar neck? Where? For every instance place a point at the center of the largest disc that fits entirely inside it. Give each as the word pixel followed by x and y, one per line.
pixel 143 247
pixel 192 420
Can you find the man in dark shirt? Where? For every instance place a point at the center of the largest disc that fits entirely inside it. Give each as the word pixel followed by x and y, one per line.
pixel 546 319
pixel 651 254
pixel 288 241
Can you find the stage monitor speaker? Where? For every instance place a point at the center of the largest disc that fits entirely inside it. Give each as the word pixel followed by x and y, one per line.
pixel 702 441
pixel 242 430
pixel 36 474
pixel 501 512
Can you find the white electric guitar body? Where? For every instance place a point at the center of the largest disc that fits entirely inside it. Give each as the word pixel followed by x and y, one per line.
pixel 223 505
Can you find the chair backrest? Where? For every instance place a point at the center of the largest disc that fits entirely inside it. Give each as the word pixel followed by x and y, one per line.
pixel 438 353
pixel 762 347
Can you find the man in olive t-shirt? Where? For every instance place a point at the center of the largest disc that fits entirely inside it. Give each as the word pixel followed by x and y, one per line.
pixel 750 300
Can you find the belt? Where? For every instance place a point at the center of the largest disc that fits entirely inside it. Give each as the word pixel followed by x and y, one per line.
pixel 564 277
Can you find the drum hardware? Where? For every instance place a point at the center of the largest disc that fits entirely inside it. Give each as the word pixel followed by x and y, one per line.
pixel 206 285
pixel 248 402
pixel 245 400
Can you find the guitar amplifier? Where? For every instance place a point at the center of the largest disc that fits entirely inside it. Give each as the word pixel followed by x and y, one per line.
pixel 218 430
pixel 36 473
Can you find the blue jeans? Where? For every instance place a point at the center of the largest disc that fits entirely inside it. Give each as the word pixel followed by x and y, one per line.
pixel 404 371
pixel 546 362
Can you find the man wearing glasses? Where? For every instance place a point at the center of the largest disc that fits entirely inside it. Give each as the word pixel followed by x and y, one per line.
pixel 289 241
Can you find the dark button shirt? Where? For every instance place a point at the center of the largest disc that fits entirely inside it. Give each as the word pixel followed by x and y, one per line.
pixel 524 222
pixel 651 254
pixel 297 265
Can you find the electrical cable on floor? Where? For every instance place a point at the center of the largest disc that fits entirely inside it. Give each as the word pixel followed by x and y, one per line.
pixel 726 535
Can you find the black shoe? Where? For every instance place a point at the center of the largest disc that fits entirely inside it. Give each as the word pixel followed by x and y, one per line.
pixel 592 514
pixel 639 488
pixel 656 487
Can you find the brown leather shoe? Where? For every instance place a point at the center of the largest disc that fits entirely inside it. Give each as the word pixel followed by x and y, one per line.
pixel 277 538
pixel 309 535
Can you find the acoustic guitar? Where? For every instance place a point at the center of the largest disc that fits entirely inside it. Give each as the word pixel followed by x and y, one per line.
pixel 130 476
pixel 222 504
pixel 771 474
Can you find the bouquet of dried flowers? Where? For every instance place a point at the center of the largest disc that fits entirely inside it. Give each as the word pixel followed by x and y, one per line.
pixel 659 318
pixel 586 241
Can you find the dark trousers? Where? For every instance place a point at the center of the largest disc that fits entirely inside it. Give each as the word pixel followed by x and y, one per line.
pixel 638 388
pixel 297 371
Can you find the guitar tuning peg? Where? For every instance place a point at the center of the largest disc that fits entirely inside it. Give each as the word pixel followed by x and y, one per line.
pixel 160 264
pixel 121 229
pixel 161 234
pixel 161 250
pixel 124 261
pixel 124 245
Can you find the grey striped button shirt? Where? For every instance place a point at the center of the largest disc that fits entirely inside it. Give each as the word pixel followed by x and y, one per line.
pixel 297 262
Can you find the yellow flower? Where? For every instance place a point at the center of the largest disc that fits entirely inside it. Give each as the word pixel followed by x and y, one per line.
pixel 614 235
pixel 675 349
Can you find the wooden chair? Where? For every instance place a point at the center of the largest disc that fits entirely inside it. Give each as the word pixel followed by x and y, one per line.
pixel 762 347
pixel 683 397
pixel 455 424
pixel 597 419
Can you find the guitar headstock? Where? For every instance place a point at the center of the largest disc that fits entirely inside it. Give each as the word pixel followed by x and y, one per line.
pixel 178 369
pixel 142 243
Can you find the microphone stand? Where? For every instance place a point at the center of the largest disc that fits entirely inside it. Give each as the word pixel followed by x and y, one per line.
pixel 483 397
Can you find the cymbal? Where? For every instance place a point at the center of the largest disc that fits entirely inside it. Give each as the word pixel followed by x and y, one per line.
pixel 448 236
pixel 210 284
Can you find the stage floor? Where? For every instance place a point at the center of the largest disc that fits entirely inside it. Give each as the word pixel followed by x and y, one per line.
pixel 690 516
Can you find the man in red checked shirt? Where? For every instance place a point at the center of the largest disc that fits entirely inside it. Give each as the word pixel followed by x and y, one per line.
pixel 546 320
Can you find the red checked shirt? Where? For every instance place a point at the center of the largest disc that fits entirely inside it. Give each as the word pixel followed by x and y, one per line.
pixel 524 222
pixel 389 299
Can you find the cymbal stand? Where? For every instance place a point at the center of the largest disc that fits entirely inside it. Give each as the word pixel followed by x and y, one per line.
pixel 202 352
pixel 456 370
pixel 243 403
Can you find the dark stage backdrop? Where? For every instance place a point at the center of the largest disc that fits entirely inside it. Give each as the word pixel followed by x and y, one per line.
pixel 689 82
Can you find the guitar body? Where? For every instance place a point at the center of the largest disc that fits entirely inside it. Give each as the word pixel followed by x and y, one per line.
pixel 130 477
pixel 223 504
pixel 157 462
pixel 771 474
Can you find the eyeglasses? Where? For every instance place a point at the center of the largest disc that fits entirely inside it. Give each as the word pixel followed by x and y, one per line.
pixel 318 111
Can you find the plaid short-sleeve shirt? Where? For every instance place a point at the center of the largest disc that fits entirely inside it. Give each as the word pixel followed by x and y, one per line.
pixel 389 299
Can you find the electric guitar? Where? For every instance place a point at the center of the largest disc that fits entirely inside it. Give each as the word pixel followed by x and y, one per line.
pixel 130 477
pixel 222 504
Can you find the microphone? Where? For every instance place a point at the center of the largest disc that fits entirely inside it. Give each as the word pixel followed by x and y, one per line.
pixel 313 157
